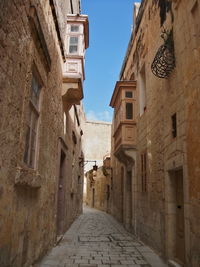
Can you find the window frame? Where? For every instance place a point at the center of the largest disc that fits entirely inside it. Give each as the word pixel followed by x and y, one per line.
pixel 74 25
pixel 75 45
pixel 126 110
pixel 32 123
pixel 129 92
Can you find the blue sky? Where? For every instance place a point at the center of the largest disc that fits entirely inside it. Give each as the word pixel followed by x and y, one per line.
pixel 110 23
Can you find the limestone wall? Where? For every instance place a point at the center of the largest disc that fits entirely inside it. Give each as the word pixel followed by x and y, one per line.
pixel 28 196
pixel 96 144
pixel 155 208
pixel 74 167
pixel 117 189
pixel 98 189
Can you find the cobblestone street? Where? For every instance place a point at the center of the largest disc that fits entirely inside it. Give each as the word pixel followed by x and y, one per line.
pixel 97 239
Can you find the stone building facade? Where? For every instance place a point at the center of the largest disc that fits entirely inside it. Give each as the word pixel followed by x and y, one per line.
pixel 96 147
pixel 98 187
pixel 40 125
pixel 157 174
pixel 124 149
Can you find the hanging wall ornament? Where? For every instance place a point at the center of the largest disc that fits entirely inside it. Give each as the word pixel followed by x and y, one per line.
pixel 164 61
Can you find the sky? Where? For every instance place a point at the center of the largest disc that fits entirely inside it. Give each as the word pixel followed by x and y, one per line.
pixel 110 24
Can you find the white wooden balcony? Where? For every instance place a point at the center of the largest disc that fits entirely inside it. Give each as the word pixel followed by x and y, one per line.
pixel 73 69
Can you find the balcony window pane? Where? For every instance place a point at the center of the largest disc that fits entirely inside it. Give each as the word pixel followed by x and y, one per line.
pixel 73 40
pixel 74 28
pixel 129 111
pixel 73 49
pixel 129 94
pixel 73 45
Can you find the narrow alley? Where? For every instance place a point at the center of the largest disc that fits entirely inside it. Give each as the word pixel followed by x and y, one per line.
pixel 99 135
pixel 97 239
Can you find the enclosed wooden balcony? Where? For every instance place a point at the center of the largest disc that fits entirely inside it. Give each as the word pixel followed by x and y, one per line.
pixel 72 91
pixel 77 42
pixel 124 103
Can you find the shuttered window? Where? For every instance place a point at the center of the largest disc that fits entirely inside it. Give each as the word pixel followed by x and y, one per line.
pixel 129 111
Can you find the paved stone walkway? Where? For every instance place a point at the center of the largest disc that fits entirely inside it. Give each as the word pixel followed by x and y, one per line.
pixel 96 239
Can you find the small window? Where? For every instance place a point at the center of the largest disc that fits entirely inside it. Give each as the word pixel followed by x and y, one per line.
pixel 174 125
pixel 74 28
pixel 32 123
pixel 73 45
pixel 129 111
pixel 129 94
pixel 144 171
pixel 74 137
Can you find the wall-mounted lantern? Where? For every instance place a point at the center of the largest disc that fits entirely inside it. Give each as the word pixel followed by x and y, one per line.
pixel 83 162
pixel 95 167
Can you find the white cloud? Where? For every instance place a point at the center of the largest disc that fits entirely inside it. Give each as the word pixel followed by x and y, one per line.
pixel 91 115
pixel 99 116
